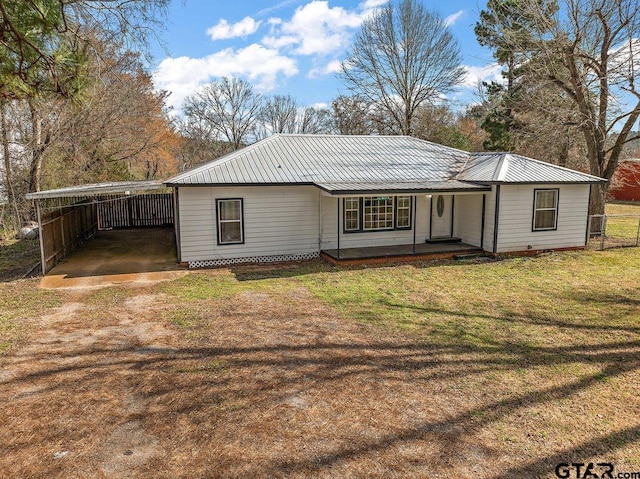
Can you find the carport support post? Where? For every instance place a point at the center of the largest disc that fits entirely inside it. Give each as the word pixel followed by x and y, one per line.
pixel 43 263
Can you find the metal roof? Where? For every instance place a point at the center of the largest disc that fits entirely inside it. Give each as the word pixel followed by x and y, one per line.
pixel 312 159
pixel 97 189
pixel 510 168
pixel 365 163
pixel 411 187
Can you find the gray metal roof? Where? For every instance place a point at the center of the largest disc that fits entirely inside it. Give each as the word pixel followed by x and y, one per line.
pixel 97 189
pixel 411 187
pixel 510 168
pixel 312 159
pixel 365 163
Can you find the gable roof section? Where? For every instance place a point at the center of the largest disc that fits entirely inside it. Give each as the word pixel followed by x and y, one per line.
pixel 340 164
pixel 490 168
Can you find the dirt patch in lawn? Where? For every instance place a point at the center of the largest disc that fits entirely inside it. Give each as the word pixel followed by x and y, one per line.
pixel 260 378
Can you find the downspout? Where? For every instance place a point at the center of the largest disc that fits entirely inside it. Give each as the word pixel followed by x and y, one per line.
pixel 496 220
pixel 338 228
pixel 415 219
pixel 482 226
pixel 176 222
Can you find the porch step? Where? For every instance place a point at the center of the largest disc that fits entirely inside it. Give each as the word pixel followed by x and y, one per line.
pixel 443 239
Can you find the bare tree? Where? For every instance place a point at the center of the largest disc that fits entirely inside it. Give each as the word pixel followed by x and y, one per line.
pixel 229 106
pixel 589 50
pixel 403 56
pixel 314 121
pixel 278 115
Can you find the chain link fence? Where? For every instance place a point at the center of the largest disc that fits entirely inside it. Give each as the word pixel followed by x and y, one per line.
pixel 613 231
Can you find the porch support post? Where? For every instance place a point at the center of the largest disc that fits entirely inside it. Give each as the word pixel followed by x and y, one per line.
pixel 43 263
pixel 453 209
pixel 338 225
pixel 415 221
pixel 430 216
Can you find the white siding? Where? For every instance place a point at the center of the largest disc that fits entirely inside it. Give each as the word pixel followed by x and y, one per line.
pixel 516 217
pixel 489 219
pixel 467 223
pixel 373 238
pixel 277 221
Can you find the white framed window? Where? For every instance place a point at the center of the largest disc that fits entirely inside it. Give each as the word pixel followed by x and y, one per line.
pixel 377 213
pixel 352 214
pixel 545 209
pixel 230 221
pixel 403 212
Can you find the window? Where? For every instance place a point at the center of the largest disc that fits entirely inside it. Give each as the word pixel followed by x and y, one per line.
pixel 378 213
pixel 545 210
pixel 403 212
pixel 351 214
pixel 230 221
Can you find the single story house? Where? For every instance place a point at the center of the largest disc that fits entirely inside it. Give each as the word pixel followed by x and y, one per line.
pixel 294 197
pixel 625 184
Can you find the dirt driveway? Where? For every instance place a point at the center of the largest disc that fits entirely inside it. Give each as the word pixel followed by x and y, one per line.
pixel 209 375
pixel 276 386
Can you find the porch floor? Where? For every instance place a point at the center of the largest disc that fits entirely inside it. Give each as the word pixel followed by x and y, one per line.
pixel 405 251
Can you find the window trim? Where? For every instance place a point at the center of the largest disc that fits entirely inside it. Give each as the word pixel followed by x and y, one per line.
pixel 219 201
pixel 344 215
pixel 361 229
pixel 556 209
pixel 377 198
pixel 395 212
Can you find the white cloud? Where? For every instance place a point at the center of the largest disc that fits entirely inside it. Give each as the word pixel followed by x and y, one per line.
pixel 277 6
pixel 372 4
pixel 332 67
pixel 314 29
pixel 222 30
pixel 262 66
pixel 475 74
pixel 453 18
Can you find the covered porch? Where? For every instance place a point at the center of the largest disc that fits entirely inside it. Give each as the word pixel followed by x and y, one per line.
pixel 404 252
pixel 409 221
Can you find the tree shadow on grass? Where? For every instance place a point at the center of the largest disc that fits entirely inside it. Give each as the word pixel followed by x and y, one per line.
pixel 166 377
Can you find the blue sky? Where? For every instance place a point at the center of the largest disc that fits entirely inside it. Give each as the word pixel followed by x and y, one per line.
pixel 289 46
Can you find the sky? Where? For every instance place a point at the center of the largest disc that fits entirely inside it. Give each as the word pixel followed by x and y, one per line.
pixel 289 47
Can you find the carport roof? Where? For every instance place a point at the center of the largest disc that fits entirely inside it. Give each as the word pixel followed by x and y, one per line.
pixel 98 189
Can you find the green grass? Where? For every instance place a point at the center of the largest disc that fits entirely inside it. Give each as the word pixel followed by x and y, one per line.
pixel 20 302
pixel 529 302
pixel 623 228
pixel 17 258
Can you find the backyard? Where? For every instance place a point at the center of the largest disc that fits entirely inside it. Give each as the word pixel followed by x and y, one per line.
pixel 483 368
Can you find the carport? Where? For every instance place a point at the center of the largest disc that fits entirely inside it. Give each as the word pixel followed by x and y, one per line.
pixel 111 216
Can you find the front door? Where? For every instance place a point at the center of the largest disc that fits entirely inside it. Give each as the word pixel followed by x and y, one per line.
pixel 441 215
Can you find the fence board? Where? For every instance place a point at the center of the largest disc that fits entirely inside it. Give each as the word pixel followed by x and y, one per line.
pixel 138 211
pixel 64 229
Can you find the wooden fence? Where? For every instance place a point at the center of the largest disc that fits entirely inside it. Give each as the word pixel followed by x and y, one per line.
pixel 138 211
pixel 64 229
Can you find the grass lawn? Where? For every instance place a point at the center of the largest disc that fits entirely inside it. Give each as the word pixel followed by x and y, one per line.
pixel 496 369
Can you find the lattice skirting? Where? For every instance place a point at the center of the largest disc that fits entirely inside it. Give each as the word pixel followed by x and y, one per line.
pixel 254 259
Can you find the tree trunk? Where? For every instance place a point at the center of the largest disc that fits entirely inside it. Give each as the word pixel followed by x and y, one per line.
pixel 597 199
pixel 35 172
pixel 6 154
